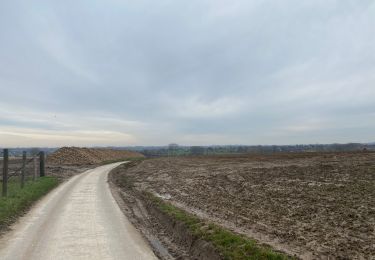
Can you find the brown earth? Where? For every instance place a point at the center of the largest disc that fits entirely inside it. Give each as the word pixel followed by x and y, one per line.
pixel 314 206
pixel 168 237
pixel 65 172
pixel 88 156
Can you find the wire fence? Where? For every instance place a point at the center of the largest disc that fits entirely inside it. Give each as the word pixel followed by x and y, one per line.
pixel 20 169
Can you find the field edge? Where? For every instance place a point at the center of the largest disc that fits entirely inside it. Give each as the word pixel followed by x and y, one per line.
pixel 194 236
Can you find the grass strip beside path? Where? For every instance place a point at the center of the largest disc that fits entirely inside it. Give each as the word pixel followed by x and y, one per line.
pixel 229 244
pixel 19 200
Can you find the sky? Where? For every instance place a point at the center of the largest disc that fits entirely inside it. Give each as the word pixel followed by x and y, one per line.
pixel 196 72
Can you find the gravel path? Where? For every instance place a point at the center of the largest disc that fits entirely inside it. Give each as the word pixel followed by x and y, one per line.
pixel 78 220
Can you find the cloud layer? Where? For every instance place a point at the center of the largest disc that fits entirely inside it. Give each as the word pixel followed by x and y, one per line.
pixel 193 72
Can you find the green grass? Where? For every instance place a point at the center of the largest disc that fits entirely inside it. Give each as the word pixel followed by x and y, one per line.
pixel 229 244
pixel 18 200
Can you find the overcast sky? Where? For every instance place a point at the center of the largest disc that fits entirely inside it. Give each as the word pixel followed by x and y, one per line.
pixel 199 72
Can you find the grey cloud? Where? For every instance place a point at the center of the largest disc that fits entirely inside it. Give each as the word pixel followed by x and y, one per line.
pixel 239 71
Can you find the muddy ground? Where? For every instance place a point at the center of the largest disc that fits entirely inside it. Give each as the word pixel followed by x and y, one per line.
pixel 65 172
pixel 314 206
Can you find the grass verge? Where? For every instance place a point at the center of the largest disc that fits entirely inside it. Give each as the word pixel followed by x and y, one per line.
pixel 229 244
pixel 19 200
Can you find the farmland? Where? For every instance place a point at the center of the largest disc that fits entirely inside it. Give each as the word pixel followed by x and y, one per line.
pixel 311 205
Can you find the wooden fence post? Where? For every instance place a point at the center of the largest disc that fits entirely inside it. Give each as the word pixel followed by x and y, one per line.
pixel 5 172
pixel 35 168
pixel 42 164
pixel 23 171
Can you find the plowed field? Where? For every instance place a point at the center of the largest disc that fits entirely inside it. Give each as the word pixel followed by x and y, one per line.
pixel 310 205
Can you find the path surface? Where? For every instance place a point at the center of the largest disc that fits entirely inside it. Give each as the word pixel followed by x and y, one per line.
pixel 78 220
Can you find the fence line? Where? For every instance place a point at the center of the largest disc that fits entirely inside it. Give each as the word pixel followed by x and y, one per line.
pixel 5 172
pixel 21 171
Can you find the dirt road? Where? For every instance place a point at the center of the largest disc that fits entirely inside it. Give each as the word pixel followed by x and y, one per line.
pixel 78 220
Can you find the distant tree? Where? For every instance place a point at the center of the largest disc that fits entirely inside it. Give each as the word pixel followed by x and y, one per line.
pixel 197 150
pixel 242 149
pixel 210 150
pixel 172 149
pixel 34 151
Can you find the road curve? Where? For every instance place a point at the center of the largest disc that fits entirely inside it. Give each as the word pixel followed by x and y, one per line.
pixel 78 220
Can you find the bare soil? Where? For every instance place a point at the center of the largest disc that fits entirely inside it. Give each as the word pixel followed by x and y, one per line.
pixel 312 205
pixel 87 156
pixel 64 172
pixel 169 238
